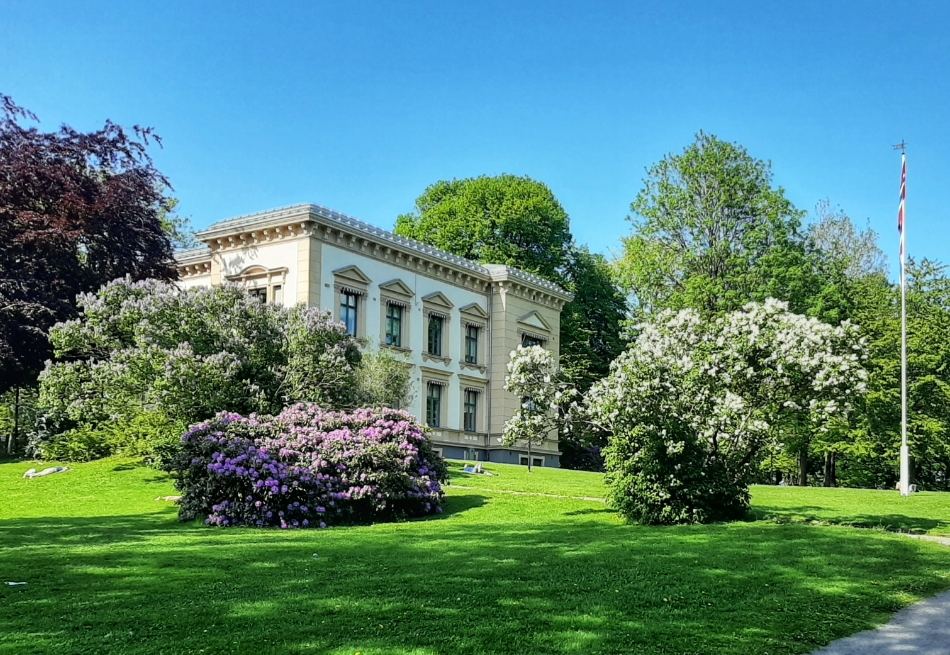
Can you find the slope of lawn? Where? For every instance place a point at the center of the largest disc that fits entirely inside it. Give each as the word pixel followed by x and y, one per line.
pixel 110 570
pixel 923 513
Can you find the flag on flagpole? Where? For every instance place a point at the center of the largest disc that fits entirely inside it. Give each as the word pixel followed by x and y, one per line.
pixel 900 211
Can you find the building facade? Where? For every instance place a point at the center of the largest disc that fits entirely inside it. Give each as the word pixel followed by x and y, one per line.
pixel 454 321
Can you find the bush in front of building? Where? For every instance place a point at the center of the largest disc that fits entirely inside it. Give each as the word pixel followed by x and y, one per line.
pixel 307 467
pixel 150 346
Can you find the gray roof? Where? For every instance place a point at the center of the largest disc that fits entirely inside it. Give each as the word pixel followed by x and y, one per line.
pixel 310 211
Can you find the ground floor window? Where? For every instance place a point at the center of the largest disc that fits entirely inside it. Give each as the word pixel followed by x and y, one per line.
pixel 433 405
pixel 535 461
pixel 527 341
pixel 470 420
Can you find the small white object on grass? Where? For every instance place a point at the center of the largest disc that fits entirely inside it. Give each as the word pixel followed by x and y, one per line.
pixel 16 584
pixel 32 473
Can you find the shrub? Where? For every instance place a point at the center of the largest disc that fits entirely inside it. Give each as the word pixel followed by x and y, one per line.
pixel 149 435
pixel 138 346
pixel 80 444
pixel 383 380
pixel 693 404
pixel 306 468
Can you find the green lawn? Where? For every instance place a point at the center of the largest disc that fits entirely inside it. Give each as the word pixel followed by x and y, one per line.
pixel 110 570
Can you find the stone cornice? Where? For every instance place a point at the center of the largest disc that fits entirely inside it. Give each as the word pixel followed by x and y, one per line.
pixel 335 228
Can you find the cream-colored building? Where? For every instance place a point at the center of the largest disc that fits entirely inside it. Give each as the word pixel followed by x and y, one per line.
pixel 454 320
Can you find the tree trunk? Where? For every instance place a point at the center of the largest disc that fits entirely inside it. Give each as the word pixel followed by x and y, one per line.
pixel 829 480
pixel 803 467
pixel 529 455
pixel 14 436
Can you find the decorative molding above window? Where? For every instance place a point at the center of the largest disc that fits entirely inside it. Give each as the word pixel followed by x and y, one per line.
pixel 396 288
pixel 473 314
pixel 535 320
pixel 350 279
pixel 438 301
pixel 258 273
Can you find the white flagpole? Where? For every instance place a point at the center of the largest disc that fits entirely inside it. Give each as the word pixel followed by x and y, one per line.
pixel 905 451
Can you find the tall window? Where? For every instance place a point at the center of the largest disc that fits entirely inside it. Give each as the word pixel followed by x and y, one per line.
pixel 527 341
pixel 348 307
pixel 433 405
pixel 471 410
pixel 471 344
pixel 394 325
pixel 435 335
pixel 278 295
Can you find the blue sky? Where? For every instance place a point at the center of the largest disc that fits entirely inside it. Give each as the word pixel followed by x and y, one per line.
pixel 360 105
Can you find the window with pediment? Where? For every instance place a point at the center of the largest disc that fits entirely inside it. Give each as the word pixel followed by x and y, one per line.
pixel 350 287
pixel 262 283
pixel 396 299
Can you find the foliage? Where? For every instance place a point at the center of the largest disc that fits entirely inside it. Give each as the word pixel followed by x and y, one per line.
pixel 180 232
pixel 713 234
pixel 383 380
pixel 535 377
pixel 149 435
pixel 693 403
pixel 76 210
pixel 591 324
pixel 591 337
pixel 833 234
pixel 871 456
pixel 506 219
pixel 18 414
pixel 81 444
pixel 192 353
pixel 308 467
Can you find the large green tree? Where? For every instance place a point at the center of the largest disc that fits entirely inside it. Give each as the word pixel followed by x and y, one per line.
pixel 495 220
pixel 711 232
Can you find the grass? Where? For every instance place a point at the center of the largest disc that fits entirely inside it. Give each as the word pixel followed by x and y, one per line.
pixel 111 570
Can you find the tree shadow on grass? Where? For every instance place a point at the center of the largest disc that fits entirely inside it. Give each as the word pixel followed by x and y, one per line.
pixel 591 510
pixel 483 582
pixel 812 513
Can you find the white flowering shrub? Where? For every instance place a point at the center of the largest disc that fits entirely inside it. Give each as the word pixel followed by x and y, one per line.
pixel 536 379
pixel 189 354
pixel 691 405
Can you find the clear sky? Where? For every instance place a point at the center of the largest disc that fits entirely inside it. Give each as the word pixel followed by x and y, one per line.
pixel 360 105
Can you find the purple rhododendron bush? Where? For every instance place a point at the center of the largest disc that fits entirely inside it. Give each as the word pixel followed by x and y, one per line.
pixel 307 467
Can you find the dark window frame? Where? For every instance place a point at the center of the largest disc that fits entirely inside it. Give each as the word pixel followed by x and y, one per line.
pixel 394 315
pixel 435 335
pixel 434 405
pixel 528 341
pixel 470 411
pixel 349 311
pixel 471 344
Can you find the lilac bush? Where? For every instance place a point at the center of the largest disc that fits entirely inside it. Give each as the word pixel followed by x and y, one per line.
pixel 307 467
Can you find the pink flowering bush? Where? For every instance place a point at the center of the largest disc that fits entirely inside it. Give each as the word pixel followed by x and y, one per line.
pixel 308 468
